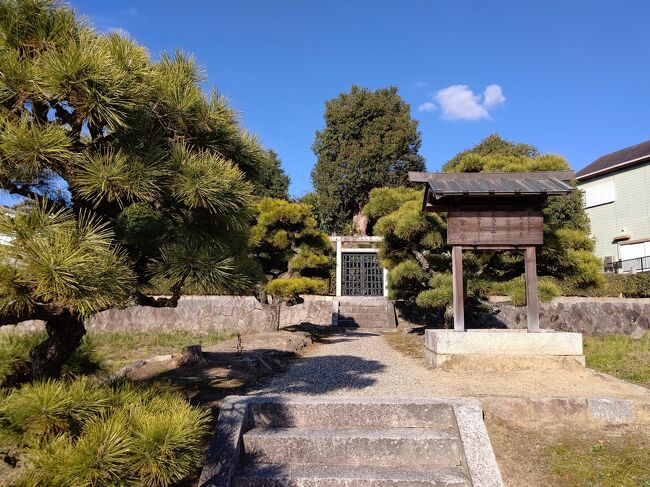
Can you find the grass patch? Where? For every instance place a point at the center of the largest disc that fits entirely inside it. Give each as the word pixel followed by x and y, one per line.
pixel 409 344
pixel 119 348
pixel 613 462
pixel 621 356
pixel 571 454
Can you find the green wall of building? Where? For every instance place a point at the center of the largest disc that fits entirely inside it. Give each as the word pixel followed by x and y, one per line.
pixel 628 214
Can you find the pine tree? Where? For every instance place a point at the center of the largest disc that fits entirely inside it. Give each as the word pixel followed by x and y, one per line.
pixel 419 262
pixel 135 182
pixel 293 253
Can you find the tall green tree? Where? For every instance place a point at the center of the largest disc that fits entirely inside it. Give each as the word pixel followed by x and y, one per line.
pixel 271 180
pixel 369 141
pixel 418 259
pixel 156 176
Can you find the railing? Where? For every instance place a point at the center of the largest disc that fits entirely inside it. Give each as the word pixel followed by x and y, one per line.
pixel 629 266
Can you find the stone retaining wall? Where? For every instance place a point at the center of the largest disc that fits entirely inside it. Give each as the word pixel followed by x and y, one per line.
pixel 243 314
pixel 316 310
pixel 591 316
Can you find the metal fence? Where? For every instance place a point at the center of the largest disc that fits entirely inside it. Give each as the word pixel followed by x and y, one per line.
pixel 629 266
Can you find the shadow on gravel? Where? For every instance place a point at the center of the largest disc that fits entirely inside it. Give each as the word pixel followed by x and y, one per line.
pixel 321 375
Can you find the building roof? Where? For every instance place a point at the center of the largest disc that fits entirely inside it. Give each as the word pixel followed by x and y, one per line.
pixel 498 184
pixel 443 188
pixel 616 160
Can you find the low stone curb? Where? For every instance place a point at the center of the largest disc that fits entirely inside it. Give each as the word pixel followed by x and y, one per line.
pixel 554 410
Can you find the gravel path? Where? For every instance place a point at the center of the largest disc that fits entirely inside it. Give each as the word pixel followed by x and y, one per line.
pixel 360 363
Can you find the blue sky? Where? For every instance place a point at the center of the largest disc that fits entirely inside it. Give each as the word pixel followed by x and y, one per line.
pixel 572 77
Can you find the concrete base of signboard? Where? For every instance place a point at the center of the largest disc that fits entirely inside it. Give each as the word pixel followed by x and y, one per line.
pixel 446 345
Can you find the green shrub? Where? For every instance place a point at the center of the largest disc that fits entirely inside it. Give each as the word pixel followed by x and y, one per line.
pixel 289 288
pixel 405 279
pixel 88 435
pixel 637 286
pixel 41 410
pixel 515 289
pixel 14 354
pixel 614 285
pixel 165 446
pixel 440 294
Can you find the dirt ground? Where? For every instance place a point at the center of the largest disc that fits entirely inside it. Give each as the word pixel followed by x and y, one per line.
pixel 361 363
pixel 232 366
pixel 523 378
pixel 525 456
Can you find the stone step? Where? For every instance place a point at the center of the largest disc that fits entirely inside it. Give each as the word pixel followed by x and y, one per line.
pixel 346 414
pixel 365 317
pixel 387 447
pixel 362 324
pixel 265 475
pixel 362 300
pixel 351 308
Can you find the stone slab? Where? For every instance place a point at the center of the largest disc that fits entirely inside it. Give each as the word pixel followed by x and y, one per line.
pixel 612 410
pixel 522 362
pixel 363 415
pixel 567 410
pixel 389 447
pixel 443 345
pixel 336 476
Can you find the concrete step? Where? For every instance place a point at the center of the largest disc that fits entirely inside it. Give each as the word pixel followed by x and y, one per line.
pixel 344 414
pixel 352 446
pixel 265 475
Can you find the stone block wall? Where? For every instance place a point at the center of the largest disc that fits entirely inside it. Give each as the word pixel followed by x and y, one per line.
pixel 243 314
pixel 591 316
pixel 316 310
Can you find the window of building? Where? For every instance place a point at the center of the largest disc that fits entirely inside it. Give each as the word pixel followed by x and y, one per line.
pixel 599 194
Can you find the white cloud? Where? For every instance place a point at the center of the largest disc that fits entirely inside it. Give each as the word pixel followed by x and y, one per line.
pixel 459 102
pixel 427 106
pixel 493 96
pixel 118 30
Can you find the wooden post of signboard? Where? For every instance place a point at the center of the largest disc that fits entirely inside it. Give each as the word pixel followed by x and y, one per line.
pixel 457 287
pixel 531 289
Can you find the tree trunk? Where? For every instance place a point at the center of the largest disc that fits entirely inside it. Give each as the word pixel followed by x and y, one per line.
pixel 190 355
pixel 65 331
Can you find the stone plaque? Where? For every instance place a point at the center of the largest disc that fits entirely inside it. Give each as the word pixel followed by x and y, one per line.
pixel 495 228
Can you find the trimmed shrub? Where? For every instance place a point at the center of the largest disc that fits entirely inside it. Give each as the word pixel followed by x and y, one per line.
pixel 14 352
pixel 440 295
pixel 636 286
pixel 515 289
pixel 615 285
pixel 289 288
pixel 165 446
pixel 406 279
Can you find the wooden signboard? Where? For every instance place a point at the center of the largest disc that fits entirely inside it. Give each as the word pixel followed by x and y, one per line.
pixel 495 228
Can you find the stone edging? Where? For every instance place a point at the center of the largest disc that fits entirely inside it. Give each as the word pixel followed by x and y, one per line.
pixel 553 410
